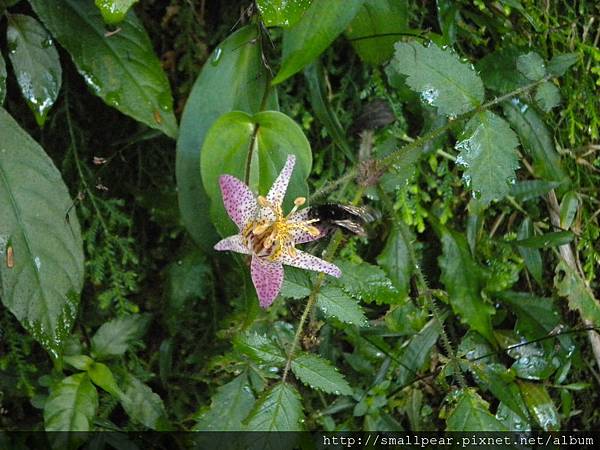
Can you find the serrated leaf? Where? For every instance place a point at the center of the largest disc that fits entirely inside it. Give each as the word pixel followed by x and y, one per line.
pixel 499 70
pixel 530 189
pixel 114 11
pixel 122 68
pixel 334 302
pixel 376 28
pixel 462 278
pixel 35 63
pixel 395 258
pixel 296 283
pixel 260 348
pixel 319 373
pixel 233 80
pixel 114 337
pixel 366 282
pixel 303 42
pixel 532 66
pixel 488 154
pixel 531 256
pixel 72 405
pixel 41 285
pixel 568 209
pixel 278 409
pixel 535 139
pixel 226 149
pixel 547 96
pixel 572 286
pixel 142 405
pixel 439 77
pixel 540 405
pixel 229 407
pixel 282 13
pixel 559 65
pixel 2 80
pixel 471 413
pixel 553 239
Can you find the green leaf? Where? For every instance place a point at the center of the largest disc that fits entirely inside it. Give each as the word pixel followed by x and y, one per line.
pixel 41 285
pixel 114 337
pixel 2 79
pixel 188 280
pixel 228 407
pixel 547 96
pixel 334 302
pixel 439 76
pixel 366 282
pixel 296 283
pixel 395 258
pixel 319 373
pixel 35 63
pixel 266 139
pixel 142 405
pixel 114 11
pixel 81 362
pixel 72 405
pixel 448 14
pixel 488 153
pixel 553 239
pixel 529 189
pixel 235 79
pixel 122 68
pixel 463 280
pixel 499 70
pixel 532 66
pixel 568 209
pixel 573 287
pixel 278 409
pixel 535 139
pixel 540 405
pixel 559 65
pixel 102 377
pixel 260 348
pixel 303 42
pixel 500 381
pixel 282 13
pixel 531 256
pixel 416 353
pixel 536 316
pixel 315 78
pixel 471 413
pixel 376 27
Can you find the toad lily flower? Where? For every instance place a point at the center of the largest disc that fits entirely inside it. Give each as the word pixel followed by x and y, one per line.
pixel 268 235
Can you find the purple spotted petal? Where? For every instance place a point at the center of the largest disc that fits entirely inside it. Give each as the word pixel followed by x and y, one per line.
pixel 239 201
pixel 307 261
pixel 267 277
pixel 277 191
pixel 299 236
pixel 233 243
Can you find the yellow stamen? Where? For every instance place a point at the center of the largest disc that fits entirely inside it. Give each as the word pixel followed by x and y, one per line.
pixel 260 229
pixel 263 202
pixel 313 231
pixel 300 201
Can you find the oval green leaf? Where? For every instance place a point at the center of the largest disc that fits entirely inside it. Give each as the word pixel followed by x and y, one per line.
pixel 282 13
pixel 304 41
pixel 319 373
pixel 235 79
pixel 72 405
pixel 35 63
pixel 253 149
pixel 41 281
pixel 121 68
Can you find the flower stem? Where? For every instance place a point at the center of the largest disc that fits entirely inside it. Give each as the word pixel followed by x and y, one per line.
pixel 312 298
